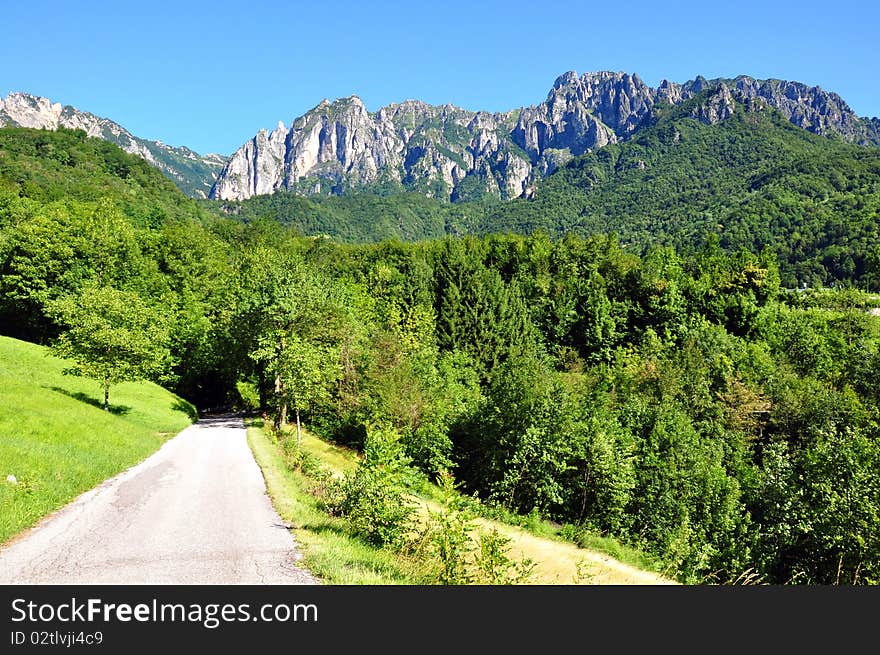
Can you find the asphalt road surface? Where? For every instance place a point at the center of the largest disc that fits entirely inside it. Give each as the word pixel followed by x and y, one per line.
pixel 195 512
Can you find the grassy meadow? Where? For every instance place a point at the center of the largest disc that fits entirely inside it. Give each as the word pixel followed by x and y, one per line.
pixel 57 442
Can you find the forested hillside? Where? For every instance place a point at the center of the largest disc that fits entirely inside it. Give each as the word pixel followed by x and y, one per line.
pixel 78 212
pixel 683 404
pixel 375 215
pixel 680 400
pixel 752 179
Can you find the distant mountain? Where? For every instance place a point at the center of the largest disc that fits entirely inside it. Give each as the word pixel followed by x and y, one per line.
pixel 455 154
pixel 340 146
pixel 720 164
pixel 191 172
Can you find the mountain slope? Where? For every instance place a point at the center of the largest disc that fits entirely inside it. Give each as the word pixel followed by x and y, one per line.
pixel 454 154
pixel 66 164
pixel 713 165
pixel 193 173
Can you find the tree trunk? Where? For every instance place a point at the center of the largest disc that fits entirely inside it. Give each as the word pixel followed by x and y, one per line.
pixel 584 496
pixel 261 389
pixel 298 429
pixel 281 416
pixel 106 396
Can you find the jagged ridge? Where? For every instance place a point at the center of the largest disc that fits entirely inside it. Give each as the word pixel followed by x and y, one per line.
pixel 453 153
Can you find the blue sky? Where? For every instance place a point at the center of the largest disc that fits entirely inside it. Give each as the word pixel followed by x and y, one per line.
pixel 208 75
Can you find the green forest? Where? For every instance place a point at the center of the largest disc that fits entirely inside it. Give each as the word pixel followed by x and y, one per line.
pixel 625 354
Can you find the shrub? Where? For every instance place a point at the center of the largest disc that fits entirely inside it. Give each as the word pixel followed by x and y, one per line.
pixel 460 559
pixel 248 396
pixel 493 564
pixel 374 498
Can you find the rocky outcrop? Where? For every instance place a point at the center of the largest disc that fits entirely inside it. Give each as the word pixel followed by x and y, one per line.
pixel 412 144
pixel 193 173
pixel 872 131
pixel 718 106
pixel 808 107
pixel 562 122
pixel 453 153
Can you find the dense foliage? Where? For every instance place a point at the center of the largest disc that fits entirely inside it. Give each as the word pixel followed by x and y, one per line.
pixel 684 404
pixel 79 213
pixel 681 400
pixel 365 217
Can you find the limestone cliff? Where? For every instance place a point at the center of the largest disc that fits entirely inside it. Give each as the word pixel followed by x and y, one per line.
pixel 453 153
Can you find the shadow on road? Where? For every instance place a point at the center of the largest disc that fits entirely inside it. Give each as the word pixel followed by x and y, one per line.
pixel 221 421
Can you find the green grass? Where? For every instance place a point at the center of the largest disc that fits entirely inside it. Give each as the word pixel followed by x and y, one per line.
pixel 57 441
pixel 562 555
pixel 330 551
pixel 614 548
pixel 337 458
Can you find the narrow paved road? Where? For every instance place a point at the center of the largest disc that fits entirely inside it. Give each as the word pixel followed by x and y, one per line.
pixel 195 512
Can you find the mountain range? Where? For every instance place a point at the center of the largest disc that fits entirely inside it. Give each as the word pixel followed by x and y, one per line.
pixel 709 167
pixel 451 153
pixel 195 174
pixel 447 152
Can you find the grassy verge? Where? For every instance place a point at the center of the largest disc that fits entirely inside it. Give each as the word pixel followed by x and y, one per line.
pixel 333 553
pixel 330 551
pixel 57 442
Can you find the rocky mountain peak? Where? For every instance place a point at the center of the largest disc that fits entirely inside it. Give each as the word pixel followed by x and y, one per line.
pixel 566 79
pixel 670 92
pixel 407 106
pixel 440 150
pixel 349 103
pixel 30 111
pixel 698 84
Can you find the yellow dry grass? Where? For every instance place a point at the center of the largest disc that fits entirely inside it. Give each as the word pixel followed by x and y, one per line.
pixel 557 562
